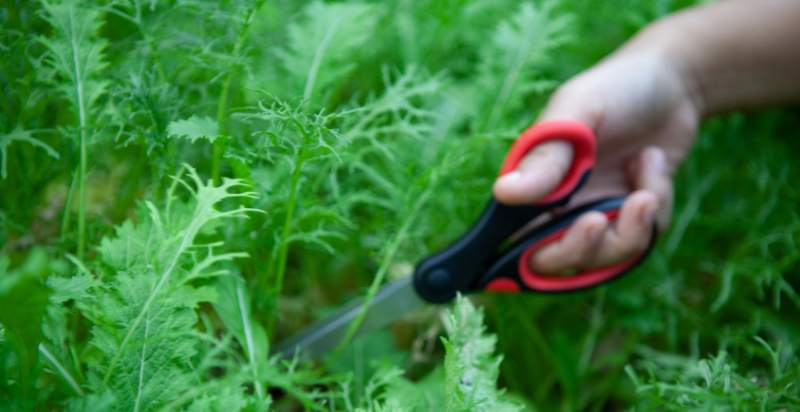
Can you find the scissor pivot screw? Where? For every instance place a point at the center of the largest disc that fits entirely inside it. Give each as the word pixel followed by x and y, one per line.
pixel 439 280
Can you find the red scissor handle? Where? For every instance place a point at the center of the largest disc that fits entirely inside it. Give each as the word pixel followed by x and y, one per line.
pixel 577 281
pixel 577 134
pixel 511 272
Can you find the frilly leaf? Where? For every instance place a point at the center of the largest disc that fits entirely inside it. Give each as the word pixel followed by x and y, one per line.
pixel 194 128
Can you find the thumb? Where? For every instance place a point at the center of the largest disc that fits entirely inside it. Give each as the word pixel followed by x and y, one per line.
pixel 543 168
pixel 538 174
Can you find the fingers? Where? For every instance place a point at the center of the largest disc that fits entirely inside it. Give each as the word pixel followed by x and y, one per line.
pixel 632 232
pixel 651 172
pixel 575 249
pixel 538 174
pixel 581 248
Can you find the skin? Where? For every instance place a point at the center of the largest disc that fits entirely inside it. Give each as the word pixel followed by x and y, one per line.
pixel 644 103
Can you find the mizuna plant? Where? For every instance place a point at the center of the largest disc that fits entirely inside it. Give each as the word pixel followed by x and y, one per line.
pixel 467 382
pixel 234 65
pixel 76 57
pixel 143 311
pixel 142 304
pixel 320 48
pixel 511 65
pixel 293 136
pixel 186 183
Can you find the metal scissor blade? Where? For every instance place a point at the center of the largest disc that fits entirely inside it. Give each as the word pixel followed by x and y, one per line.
pixel 394 300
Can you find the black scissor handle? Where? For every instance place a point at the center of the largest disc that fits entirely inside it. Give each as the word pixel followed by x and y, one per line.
pixel 461 265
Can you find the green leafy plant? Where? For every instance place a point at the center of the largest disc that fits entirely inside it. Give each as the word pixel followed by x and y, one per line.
pixel 185 184
pixel 321 46
pixel 676 383
pixel 466 382
pixel 470 368
pixel 18 135
pixel 23 300
pixel 511 64
pixel 76 57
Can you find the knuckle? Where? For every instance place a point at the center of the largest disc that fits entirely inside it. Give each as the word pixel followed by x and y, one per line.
pixel 540 261
pixel 634 244
pixel 574 260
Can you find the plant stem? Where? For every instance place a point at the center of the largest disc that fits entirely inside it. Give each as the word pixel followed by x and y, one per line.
pixel 66 219
pixel 222 104
pixel 82 124
pixel 509 81
pixel 60 369
pixel 283 248
pixel 377 281
pixel 219 143
pixel 82 199
pixel 319 54
pixel 248 335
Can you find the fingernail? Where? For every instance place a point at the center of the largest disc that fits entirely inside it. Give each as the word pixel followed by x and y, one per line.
pixel 511 177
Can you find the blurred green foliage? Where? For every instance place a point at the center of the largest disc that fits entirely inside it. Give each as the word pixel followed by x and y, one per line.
pixel 369 134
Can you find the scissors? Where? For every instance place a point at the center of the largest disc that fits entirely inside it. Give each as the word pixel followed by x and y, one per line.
pixel 484 258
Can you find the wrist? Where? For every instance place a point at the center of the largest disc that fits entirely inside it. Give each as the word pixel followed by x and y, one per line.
pixel 675 51
pixel 731 55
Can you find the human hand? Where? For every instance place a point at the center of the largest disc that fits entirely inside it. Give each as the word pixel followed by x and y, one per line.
pixel 645 119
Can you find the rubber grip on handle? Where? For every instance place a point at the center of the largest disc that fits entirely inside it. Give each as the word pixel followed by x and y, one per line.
pixel 502 285
pixel 577 281
pixel 577 134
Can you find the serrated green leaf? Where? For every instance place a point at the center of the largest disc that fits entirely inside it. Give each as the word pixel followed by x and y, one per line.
pixel 146 312
pixel 322 44
pixel 468 381
pixel 511 63
pixel 20 135
pixel 471 367
pixel 233 308
pixel 76 54
pixel 194 128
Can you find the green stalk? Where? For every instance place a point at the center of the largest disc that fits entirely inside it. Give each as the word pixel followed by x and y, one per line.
pixel 220 145
pixel 82 124
pixel 287 226
pixel 62 371
pixel 66 218
pixel 377 281
pixel 283 248
pixel 82 198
